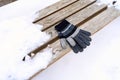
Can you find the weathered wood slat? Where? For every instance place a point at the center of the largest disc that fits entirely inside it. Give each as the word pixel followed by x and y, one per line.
pixel 4 2
pixel 93 25
pixel 81 16
pixel 54 8
pixel 77 18
pixel 101 20
pixel 64 13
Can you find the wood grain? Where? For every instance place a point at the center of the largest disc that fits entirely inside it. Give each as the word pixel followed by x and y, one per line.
pixel 93 25
pixel 54 8
pixel 77 18
pixel 4 2
pixel 64 13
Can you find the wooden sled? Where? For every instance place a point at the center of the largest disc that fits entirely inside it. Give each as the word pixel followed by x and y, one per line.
pixel 4 2
pixel 85 14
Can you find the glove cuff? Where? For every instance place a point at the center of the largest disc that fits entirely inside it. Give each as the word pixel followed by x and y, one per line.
pixel 62 25
pixel 65 29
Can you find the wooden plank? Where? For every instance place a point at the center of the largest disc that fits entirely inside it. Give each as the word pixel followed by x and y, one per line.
pixel 101 20
pixel 1 3
pixel 54 8
pixel 93 25
pixel 64 13
pixel 77 18
pixel 4 2
pixel 7 1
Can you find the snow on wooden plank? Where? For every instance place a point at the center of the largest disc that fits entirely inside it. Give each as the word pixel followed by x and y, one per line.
pixel 76 19
pixel 54 8
pixel 93 25
pixel 101 20
pixel 64 13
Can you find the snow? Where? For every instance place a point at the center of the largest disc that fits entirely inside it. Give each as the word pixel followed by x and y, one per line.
pixel 20 70
pixel 23 8
pixel 110 3
pixel 99 61
pixel 19 36
pixel 24 70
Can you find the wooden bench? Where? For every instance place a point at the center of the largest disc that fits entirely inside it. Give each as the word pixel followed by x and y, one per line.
pixel 85 14
pixel 4 2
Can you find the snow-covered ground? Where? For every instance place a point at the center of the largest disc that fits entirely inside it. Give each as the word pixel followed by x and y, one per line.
pixel 19 36
pixel 100 61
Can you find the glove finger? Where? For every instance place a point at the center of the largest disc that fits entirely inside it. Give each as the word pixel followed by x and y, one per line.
pixel 79 42
pixel 76 48
pixel 79 48
pixel 85 32
pixel 85 36
pixel 84 40
pixel 63 43
pixel 71 41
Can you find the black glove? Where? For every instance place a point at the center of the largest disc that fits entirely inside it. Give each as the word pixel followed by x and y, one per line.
pixel 70 35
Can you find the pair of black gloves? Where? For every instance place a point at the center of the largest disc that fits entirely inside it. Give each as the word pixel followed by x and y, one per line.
pixel 76 38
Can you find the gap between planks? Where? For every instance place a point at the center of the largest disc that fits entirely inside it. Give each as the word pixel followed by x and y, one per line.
pixel 53 8
pixel 77 18
pixel 93 25
pixel 81 5
pixel 64 13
